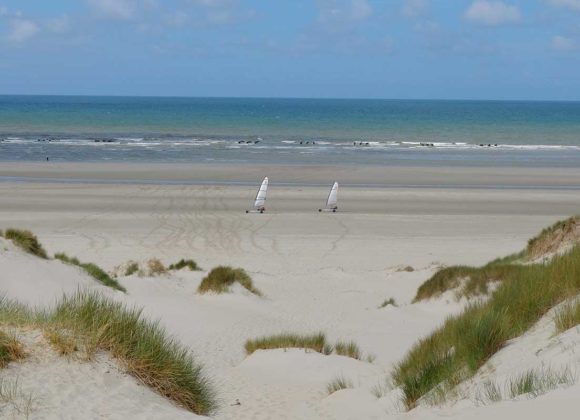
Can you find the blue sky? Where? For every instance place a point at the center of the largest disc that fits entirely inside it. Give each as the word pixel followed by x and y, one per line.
pixel 474 49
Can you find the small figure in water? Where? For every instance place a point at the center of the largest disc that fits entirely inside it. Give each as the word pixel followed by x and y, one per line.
pixel 47 158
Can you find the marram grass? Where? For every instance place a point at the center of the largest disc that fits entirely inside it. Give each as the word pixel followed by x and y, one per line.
pixel 348 349
pixel 220 280
pixel 316 342
pixel 465 342
pixel 144 348
pixel 10 349
pixel 27 241
pixel 183 263
pixel 337 384
pixel 92 270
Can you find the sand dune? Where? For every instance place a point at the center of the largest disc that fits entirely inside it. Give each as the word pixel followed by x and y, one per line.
pixel 318 272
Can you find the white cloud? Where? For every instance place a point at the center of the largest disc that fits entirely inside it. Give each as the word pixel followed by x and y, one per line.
pixel 340 11
pixel 563 44
pixel 113 9
pixel 415 8
pixel 569 4
pixel 22 30
pixel 492 13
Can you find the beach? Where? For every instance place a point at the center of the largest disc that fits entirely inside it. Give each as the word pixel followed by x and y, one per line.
pixel 317 271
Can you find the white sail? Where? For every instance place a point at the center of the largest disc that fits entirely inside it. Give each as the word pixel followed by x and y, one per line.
pixel 261 196
pixel 332 197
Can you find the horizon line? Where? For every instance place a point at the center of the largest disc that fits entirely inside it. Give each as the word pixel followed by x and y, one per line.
pixel 287 97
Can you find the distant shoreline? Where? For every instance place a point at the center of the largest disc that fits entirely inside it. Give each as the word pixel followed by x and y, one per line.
pixel 247 175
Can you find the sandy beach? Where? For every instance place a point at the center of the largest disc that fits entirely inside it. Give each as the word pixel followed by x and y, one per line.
pixel 318 271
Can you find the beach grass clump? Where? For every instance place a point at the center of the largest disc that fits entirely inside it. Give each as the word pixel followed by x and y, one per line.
pixel 535 383
pixel 183 263
pixel 567 317
pixel 348 349
pixel 465 342
pixel 316 342
pixel 27 241
pixel 144 347
pixel 337 384
pixel 91 322
pixel 220 280
pixel 92 270
pixel 63 343
pixel 387 302
pixel 10 349
pixel 155 267
pixel 132 268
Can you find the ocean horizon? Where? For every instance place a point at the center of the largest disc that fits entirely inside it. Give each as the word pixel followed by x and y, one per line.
pixel 290 130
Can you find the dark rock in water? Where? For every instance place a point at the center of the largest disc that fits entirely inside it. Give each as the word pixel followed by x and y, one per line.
pixel 257 141
pixel 240 141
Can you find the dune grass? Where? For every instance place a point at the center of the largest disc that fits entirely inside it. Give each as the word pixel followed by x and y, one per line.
pixel 465 342
pixel 348 349
pixel 387 302
pixel 132 268
pixel 567 317
pixel 338 383
pixel 10 349
pixel 316 342
pixel 92 270
pixel 27 241
pixel 549 239
pixel 155 267
pixel 220 280
pixel 61 342
pixel 11 395
pixel 183 263
pixel 538 382
pixel 143 347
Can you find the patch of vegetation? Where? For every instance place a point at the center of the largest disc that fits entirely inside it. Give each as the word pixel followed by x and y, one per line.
pixel 10 349
pixel 11 395
pixel 465 342
pixel 60 341
pixel 550 239
pixel 143 347
pixel 536 383
pixel 382 388
pixel 316 342
pixel 220 279
pixel 27 241
pixel 348 349
pixel 131 269
pixel 155 267
pixel 92 270
pixel 338 383
pixel 387 302
pixel 567 317
pixel 182 263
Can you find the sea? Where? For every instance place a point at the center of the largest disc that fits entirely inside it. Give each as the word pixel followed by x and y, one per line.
pixel 289 131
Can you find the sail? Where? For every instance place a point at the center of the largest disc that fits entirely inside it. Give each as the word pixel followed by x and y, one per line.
pixel 261 196
pixel 332 197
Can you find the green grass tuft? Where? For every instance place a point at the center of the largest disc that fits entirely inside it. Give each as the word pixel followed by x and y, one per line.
pixel 131 269
pixel 535 383
pixel 144 347
pixel 220 279
pixel 387 302
pixel 10 349
pixel 27 241
pixel 338 383
pixel 348 349
pixel 567 317
pixel 182 263
pixel 315 342
pixel 92 270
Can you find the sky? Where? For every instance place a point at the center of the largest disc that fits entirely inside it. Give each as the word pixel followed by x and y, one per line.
pixel 424 49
